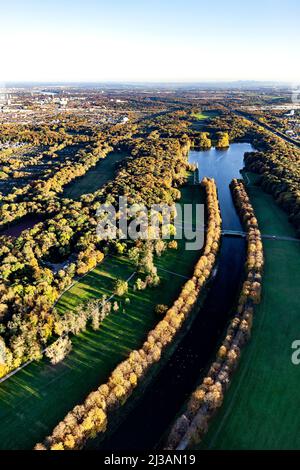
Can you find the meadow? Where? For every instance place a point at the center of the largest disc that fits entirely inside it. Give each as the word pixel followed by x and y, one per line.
pixel 204 115
pixel 95 177
pixel 255 413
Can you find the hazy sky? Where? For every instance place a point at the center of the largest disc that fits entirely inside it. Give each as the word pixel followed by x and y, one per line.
pixel 149 40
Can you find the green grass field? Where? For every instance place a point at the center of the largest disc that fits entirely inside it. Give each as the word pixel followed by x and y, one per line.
pixel 260 410
pixel 35 399
pixel 95 177
pixel 205 115
pixel 199 120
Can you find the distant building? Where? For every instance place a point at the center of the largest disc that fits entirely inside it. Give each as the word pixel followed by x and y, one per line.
pixel 5 100
pixel 291 113
pixel 61 101
pixel 64 101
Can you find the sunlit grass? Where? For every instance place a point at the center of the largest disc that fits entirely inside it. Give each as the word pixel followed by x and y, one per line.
pixel 34 400
pixel 260 407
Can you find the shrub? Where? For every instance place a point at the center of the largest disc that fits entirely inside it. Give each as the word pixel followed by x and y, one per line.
pixel 121 287
pixel 161 309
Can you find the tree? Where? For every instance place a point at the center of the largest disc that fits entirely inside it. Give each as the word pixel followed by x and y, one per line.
pixel 205 141
pixel 223 140
pixel 59 350
pixel 121 287
pixel 173 245
pixel 161 309
pixel 3 358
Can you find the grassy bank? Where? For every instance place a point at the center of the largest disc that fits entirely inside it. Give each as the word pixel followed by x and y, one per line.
pixel 36 398
pixel 261 405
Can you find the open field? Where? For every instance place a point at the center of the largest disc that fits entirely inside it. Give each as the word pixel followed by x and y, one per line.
pixel 95 177
pixel 27 397
pixel 200 120
pixel 256 412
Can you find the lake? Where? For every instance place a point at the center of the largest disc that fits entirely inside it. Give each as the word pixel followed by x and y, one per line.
pixel 144 427
pixel 223 166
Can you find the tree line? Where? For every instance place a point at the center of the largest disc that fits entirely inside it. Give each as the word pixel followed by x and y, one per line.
pixel 193 423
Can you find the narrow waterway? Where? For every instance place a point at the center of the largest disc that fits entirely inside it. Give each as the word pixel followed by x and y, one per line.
pixel 145 425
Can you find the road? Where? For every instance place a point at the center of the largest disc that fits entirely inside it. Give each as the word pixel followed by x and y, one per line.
pixel 266 126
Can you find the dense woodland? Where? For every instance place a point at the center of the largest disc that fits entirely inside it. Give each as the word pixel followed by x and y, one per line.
pixel 87 420
pixel 29 288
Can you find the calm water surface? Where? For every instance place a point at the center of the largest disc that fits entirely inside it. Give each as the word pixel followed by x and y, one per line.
pixel 223 166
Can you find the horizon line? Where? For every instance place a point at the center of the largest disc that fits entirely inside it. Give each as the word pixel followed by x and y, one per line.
pixel 151 82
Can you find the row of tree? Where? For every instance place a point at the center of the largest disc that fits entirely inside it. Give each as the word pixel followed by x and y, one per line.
pixel 190 427
pixel 41 195
pixel 87 420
